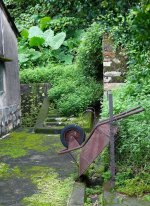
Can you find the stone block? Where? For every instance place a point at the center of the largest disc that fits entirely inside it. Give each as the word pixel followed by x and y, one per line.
pixel 10 126
pixel 112 74
pixel 109 54
pixel 116 61
pixel 107 79
pixel 107 64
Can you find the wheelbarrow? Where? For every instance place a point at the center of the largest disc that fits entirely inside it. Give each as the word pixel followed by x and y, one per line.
pixel 73 138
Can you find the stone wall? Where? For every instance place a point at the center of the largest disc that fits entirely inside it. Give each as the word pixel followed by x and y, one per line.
pixel 32 97
pixel 9 118
pixel 114 62
pixel 10 96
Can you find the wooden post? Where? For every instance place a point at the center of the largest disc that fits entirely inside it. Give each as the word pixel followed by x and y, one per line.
pixel 112 141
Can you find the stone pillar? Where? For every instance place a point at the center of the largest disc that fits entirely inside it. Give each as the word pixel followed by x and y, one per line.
pixel 32 97
pixel 114 64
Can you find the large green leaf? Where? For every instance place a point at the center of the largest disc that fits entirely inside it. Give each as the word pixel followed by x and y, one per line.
pixel 48 35
pixel 23 57
pixel 44 22
pixel 35 54
pixel 36 41
pixel 66 58
pixel 35 31
pixel 57 40
pixel 24 33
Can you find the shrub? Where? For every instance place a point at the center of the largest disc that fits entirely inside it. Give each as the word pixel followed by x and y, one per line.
pixel 89 57
pixel 71 91
pixel 67 24
pixel 136 186
pixel 132 145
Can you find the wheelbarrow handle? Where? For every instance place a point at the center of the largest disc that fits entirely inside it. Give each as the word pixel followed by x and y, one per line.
pixel 120 114
pixel 115 118
pixel 126 112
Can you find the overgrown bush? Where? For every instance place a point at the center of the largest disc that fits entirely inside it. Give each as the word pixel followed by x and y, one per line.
pixel 132 146
pixel 133 143
pixel 127 183
pixel 67 24
pixel 89 56
pixel 71 91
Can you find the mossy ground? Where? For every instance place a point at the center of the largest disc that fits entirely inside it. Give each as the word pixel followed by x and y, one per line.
pixel 19 143
pixel 28 157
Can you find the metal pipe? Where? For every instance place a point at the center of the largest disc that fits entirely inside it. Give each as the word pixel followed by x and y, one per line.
pixel 122 113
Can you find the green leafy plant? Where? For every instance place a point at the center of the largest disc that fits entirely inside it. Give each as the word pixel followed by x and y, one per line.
pixel 89 57
pixel 136 186
pixel 44 22
pixel 37 45
pixel 37 37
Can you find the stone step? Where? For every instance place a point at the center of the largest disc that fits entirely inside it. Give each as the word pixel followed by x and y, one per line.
pixel 78 194
pixel 53 112
pixel 53 129
pixel 53 115
pixel 55 123
pixel 58 119
pixel 48 130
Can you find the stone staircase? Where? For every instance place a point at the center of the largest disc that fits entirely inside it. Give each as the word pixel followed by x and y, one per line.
pixel 49 121
pixel 53 123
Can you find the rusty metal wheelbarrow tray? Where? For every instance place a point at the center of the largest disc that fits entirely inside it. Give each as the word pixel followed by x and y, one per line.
pixel 97 142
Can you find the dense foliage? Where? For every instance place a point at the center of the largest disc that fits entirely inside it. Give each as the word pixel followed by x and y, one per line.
pixel 38 44
pixel 71 91
pixel 133 143
pixel 89 56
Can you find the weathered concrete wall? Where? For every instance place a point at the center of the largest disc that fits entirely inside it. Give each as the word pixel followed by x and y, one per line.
pixel 114 62
pixel 10 98
pixel 32 97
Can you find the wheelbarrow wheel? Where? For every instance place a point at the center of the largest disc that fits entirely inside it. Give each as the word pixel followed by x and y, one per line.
pixel 72 130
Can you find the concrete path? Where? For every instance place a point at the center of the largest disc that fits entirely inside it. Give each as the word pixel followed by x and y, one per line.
pixel 32 172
